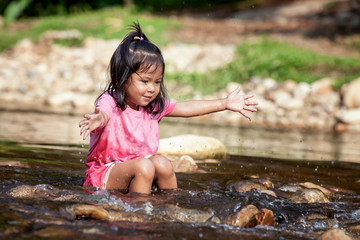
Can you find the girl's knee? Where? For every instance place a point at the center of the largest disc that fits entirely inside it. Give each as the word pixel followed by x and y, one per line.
pixel 162 166
pixel 145 168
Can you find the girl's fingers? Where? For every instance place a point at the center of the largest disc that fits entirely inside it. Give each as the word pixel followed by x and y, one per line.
pixel 251 109
pixel 86 134
pixel 83 129
pixel 248 96
pixel 82 122
pixel 244 114
pixel 251 103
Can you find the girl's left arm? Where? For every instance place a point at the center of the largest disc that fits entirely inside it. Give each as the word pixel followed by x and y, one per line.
pixel 233 102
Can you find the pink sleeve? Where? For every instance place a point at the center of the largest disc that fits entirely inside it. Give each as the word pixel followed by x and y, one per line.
pixel 169 106
pixel 106 103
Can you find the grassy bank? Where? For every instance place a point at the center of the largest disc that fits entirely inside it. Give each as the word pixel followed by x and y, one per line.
pixel 106 23
pixel 280 61
pixel 263 58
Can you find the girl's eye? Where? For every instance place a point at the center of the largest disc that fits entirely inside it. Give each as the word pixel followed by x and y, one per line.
pixel 144 81
pixel 158 82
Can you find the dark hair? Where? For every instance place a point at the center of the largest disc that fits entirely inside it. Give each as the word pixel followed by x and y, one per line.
pixel 135 53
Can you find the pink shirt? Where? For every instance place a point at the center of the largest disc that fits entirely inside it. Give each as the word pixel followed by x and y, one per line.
pixel 127 135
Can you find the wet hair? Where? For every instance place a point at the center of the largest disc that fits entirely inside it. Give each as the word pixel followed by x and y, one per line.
pixel 135 54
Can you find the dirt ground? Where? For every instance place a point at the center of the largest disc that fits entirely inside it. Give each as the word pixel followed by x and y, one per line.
pixel 324 26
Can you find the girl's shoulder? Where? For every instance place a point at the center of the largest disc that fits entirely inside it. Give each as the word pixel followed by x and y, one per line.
pixel 106 101
pixel 106 97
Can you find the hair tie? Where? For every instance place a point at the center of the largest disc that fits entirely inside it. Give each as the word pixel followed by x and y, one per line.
pixel 141 38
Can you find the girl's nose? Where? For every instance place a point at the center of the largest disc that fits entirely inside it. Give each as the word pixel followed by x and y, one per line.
pixel 151 87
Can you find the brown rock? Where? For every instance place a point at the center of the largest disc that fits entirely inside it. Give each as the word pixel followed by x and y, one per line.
pixel 355 229
pixel 269 192
pixel 312 185
pixel 309 196
pixel 184 164
pixel 90 211
pixel 13 164
pixel 242 217
pixel 263 217
pixel 54 232
pixel 126 216
pixel 334 234
pixel 187 215
pixel 267 183
pixel 341 127
pixel 247 186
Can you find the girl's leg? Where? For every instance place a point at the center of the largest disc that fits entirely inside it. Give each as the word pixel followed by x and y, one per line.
pixel 164 174
pixel 137 175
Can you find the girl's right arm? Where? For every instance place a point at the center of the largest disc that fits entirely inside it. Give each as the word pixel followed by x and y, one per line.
pixel 92 121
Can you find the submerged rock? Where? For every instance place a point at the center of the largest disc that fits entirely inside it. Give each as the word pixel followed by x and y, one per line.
pixel 54 232
pixel 263 217
pixel 184 164
pixel 242 217
pixel 38 191
pixel 176 213
pixel 128 217
pixel 14 164
pixel 41 191
pixel 309 196
pixel 312 185
pixel 355 229
pixel 89 211
pixel 249 216
pixel 245 186
pixel 198 147
pixel 334 234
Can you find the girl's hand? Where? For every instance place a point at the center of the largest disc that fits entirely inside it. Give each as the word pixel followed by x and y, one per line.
pixel 240 103
pixel 91 122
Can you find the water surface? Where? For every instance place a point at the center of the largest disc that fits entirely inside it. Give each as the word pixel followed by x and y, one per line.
pixel 45 151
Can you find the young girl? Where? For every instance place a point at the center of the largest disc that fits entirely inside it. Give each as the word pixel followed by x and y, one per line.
pixel 124 133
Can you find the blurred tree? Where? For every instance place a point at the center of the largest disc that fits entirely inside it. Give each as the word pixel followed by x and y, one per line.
pixel 14 9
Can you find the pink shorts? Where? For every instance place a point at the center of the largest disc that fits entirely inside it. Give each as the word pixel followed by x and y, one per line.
pixel 97 175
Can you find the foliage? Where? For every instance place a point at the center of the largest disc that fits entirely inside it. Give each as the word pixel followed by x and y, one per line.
pixel 107 23
pixel 176 5
pixel 277 60
pixel 61 7
pixel 14 9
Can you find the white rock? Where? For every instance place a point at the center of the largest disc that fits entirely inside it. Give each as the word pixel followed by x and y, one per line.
pixel 198 147
pixel 302 90
pixel 351 94
pixel 197 58
pixel 350 116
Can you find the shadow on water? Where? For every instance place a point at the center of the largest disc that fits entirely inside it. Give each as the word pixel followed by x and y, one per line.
pixel 45 154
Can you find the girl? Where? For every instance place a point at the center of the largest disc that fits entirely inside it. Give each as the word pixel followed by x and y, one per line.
pixel 124 133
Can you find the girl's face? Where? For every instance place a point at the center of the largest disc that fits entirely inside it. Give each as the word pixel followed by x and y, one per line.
pixel 142 88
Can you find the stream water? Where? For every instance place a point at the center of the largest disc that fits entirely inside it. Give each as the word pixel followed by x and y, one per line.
pixel 45 152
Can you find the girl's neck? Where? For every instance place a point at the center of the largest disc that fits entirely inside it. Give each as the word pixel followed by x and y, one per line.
pixel 133 106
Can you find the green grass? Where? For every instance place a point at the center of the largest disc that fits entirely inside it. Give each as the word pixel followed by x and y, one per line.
pixel 276 60
pixel 106 23
pixel 263 58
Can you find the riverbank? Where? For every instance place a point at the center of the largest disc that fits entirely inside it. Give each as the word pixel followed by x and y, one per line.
pixel 49 78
